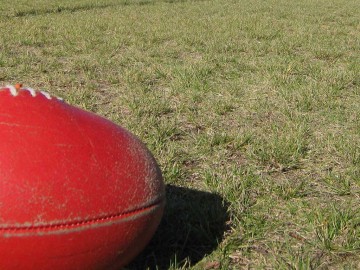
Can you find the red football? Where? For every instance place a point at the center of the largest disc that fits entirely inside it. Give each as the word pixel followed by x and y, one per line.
pixel 76 190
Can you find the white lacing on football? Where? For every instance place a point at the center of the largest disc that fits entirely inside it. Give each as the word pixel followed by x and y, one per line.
pixel 14 92
pixel 32 91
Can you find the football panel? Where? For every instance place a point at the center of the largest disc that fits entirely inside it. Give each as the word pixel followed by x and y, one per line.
pixel 62 164
pixel 98 246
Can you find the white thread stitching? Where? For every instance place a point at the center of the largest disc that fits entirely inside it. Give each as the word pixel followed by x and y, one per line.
pixel 12 90
pixel 47 95
pixel 32 92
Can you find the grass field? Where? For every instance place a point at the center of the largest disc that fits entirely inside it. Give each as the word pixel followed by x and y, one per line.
pixel 251 107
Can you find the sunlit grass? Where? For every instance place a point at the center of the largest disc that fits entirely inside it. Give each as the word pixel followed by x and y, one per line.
pixel 255 101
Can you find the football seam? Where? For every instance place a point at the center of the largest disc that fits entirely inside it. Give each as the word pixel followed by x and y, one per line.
pixel 14 92
pixel 83 222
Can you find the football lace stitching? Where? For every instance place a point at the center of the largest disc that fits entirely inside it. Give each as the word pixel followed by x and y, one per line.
pixel 15 92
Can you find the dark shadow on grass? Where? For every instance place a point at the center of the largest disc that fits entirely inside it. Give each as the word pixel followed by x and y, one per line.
pixel 193 224
pixel 77 8
pixel 71 9
pixel 59 9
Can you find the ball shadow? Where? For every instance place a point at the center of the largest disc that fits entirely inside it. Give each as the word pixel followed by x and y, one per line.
pixel 192 226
